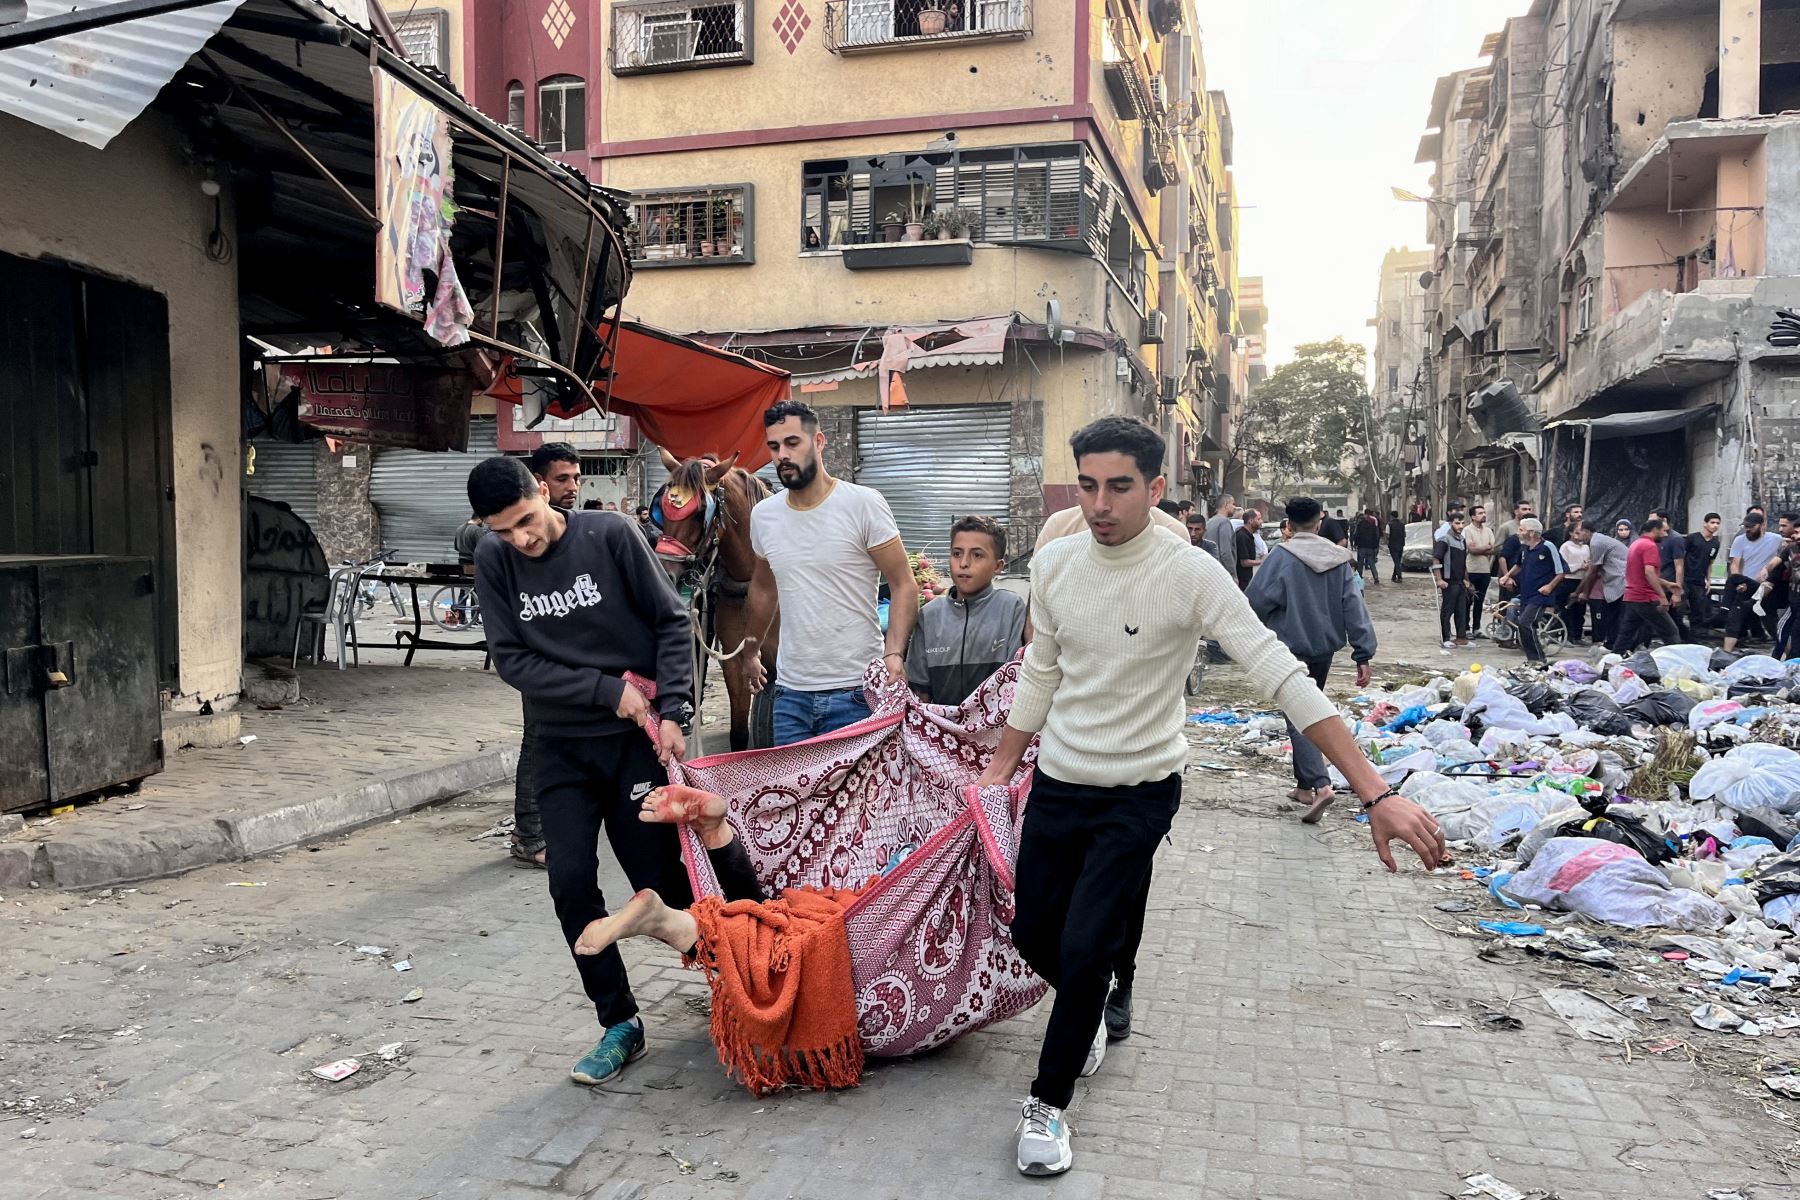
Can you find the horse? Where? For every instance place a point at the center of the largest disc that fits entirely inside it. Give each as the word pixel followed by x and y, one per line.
pixel 704 514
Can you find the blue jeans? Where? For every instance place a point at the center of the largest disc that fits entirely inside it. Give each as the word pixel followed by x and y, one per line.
pixel 802 715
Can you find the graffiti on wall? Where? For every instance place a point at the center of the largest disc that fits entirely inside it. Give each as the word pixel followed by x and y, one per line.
pixel 284 571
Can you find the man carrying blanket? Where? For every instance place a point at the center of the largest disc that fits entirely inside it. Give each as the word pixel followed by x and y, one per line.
pixel 1118 616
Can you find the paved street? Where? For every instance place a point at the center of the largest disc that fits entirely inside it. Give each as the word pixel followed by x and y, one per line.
pixel 157 1042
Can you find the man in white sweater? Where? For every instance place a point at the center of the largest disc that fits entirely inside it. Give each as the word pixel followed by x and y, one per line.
pixel 1117 617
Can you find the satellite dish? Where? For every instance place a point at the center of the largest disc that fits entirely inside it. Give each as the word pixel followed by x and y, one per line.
pixel 1426 278
pixel 1053 320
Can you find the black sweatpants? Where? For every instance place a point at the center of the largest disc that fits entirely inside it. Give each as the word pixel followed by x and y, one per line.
pixel 1478 592
pixel 1084 856
pixel 528 827
pixel 1396 556
pixel 584 785
pixel 1453 608
pixel 1642 622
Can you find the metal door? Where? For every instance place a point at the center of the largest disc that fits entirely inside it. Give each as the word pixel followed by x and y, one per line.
pixel 422 496
pixel 85 443
pixel 104 728
pixel 24 778
pixel 288 473
pixel 935 465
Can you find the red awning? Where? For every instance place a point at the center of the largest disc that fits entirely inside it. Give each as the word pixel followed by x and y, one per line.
pixel 687 397
pixel 693 399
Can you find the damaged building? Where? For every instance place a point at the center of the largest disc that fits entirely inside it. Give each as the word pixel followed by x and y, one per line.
pixel 1617 227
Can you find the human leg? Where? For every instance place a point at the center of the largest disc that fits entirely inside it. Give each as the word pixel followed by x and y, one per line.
pixel 1395 555
pixel 1478 591
pixel 1116 834
pixel 1530 617
pixel 1658 623
pixel 528 826
pixel 1447 602
pixel 1117 1014
pixel 568 800
pixel 792 716
pixel 838 710
pixel 1631 628
pixel 1309 765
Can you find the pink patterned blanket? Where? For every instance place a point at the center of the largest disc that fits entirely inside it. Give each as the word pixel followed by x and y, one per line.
pixel 930 950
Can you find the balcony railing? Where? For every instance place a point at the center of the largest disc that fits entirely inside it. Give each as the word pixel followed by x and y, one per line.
pixel 674 35
pixel 1122 55
pixel 1161 169
pixel 865 26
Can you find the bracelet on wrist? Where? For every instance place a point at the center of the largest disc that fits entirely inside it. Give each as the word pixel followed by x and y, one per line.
pixel 1369 804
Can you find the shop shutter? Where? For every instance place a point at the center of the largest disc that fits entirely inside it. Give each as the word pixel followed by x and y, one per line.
pixel 287 473
pixel 422 497
pixel 937 464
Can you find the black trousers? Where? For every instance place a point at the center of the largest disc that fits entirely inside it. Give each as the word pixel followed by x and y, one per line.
pixel 528 827
pixel 1453 608
pixel 1530 617
pixel 1395 555
pixel 1605 615
pixel 1642 622
pixel 1125 965
pixel 585 785
pixel 1740 620
pixel 1574 612
pixel 1478 590
pixel 1698 603
pixel 1084 859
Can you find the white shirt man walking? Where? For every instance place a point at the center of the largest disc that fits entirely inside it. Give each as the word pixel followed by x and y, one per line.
pixel 823 547
pixel 1117 617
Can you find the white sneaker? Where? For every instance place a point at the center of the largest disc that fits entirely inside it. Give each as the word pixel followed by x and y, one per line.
pixel 1043 1139
pixel 1096 1052
pixel 1449 645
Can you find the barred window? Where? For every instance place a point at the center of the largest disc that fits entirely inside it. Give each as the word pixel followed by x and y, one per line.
pixel 562 114
pixel 668 35
pixel 692 226
pixel 423 33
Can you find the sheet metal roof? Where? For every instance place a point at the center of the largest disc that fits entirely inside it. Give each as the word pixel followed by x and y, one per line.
pixel 90 85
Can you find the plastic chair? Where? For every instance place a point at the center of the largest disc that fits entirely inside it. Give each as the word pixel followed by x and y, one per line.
pixel 338 611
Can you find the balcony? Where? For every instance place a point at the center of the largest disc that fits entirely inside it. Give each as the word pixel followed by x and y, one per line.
pixel 1665 343
pixel 1161 169
pixel 650 36
pixel 1122 56
pixel 871 26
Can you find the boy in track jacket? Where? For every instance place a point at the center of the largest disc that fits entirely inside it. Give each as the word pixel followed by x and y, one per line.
pixel 976 629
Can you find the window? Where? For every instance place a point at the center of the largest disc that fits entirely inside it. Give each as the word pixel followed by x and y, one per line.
pixel 692 226
pixel 858 25
pixel 1393 380
pixel 562 114
pixel 1052 194
pixel 661 35
pixel 423 33
pixel 515 104
pixel 1584 306
pixel 1394 327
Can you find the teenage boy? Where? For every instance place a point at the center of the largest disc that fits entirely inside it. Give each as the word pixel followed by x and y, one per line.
pixel 1479 537
pixel 1116 618
pixel 974 630
pixel 571 602
pixel 1702 550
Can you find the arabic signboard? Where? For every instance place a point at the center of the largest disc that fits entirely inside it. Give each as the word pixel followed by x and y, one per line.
pixel 385 404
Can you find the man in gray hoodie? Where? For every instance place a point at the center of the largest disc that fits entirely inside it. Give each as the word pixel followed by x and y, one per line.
pixel 1306 592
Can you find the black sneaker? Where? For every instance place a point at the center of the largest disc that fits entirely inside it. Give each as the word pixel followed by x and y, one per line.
pixel 1118 1013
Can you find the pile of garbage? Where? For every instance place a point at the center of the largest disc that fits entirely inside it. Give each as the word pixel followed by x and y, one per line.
pixel 1619 814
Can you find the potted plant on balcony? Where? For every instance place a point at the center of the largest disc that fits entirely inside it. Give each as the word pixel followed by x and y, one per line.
pixel 956 222
pixel 893 225
pixel 934 17
pixel 724 229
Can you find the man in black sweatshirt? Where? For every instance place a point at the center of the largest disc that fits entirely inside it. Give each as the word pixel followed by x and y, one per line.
pixel 571 602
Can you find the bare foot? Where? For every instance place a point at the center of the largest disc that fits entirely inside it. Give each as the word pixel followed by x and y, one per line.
pixel 676 804
pixel 1321 800
pixel 1301 795
pixel 644 915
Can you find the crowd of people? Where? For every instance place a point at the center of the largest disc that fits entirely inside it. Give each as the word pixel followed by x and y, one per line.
pixel 1621 586
pixel 1123 587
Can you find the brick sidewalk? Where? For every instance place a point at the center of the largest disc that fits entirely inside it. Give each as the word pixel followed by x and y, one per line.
pixel 360 745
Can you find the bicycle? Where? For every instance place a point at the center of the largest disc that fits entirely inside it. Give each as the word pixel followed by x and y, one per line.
pixel 1503 627
pixel 454 608
pixel 368 591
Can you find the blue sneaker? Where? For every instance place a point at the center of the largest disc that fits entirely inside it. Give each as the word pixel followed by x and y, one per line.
pixel 621 1044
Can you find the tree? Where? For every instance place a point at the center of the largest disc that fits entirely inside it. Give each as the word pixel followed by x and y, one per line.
pixel 1312 419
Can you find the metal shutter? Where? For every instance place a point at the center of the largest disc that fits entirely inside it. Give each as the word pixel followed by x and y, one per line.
pixel 422 496
pixel 287 473
pixel 937 464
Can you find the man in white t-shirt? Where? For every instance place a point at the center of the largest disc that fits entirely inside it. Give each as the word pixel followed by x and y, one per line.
pixel 823 546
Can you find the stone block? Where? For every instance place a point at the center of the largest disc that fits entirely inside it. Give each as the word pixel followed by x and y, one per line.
pixel 91 862
pixel 200 731
pixel 15 866
pixel 415 789
pixel 307 820
pixel 11 823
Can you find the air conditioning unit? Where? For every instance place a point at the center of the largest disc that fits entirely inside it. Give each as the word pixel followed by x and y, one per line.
pixel 670 41
pixel 1156 326
pixel 1166 391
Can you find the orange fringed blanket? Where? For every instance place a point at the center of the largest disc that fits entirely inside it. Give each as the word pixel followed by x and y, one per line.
pixel 784 1004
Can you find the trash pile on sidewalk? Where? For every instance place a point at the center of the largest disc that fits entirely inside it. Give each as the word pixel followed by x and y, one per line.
pixel 1638 816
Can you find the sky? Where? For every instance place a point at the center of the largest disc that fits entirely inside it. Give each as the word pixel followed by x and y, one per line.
pixel 1328 101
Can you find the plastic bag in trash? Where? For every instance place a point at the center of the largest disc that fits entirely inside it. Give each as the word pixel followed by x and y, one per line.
pixel 1684 661
pixel 1719 659
pixel 1766 822
pixel 1783 910
pixel 1628 826
pixel 1537 697
pixel 1493 706
pixel 1663 706
pixel 1575 671
pixel 1612 883
pixel 1708 713
pixel 1752 775
pixel 1756 668
pixel 1776 876
pixel 1596 711
pixel 1624 685
pixel 1644 664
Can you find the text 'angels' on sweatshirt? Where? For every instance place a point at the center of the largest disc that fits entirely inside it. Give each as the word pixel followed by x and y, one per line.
pixel 565 628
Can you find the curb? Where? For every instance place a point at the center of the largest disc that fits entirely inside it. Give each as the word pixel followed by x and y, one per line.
pixel 103 860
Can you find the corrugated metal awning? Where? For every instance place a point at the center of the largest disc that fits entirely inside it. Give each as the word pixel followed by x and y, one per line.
pixel 90 85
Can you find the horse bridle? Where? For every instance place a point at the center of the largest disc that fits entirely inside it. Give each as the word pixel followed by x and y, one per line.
pixel 695 570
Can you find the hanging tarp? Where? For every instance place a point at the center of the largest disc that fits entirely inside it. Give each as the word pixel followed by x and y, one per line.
pixel 1628 478
pixel 1638 424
